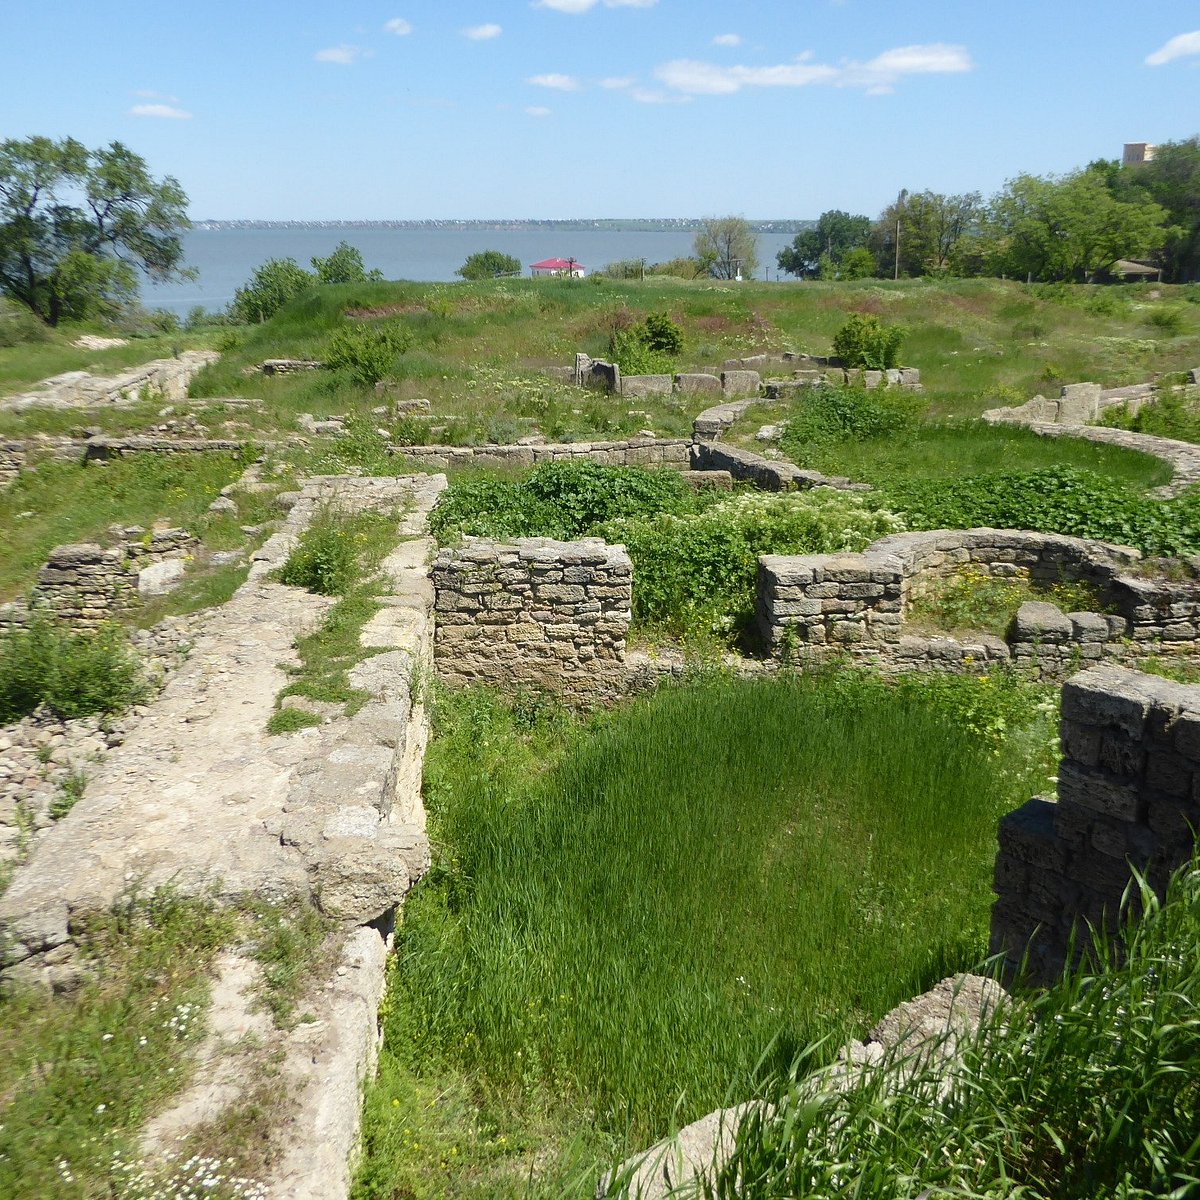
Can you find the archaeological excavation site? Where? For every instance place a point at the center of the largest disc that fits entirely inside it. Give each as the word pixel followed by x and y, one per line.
pixel 441 759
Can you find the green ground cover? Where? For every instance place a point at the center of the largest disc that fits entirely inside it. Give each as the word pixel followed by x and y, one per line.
pixel 631 919
pixel 1087 1092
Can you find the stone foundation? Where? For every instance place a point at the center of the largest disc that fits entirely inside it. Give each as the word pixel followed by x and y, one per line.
pixel 546 615
pixel 166 379
pixel 638 452
pixel 1126 799
pixel 857 603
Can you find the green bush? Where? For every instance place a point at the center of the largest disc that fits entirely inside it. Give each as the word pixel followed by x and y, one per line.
pixel 695 573
pixel 647 348
pixel 864 341
pixel 848 414
pixel 1169 320
pixel 559 500
pixel 366 353
pixel 72 674
pixel 488 264
pixel 19 326
pixel 1169 416
pixel 325 561
pixel 273 284
pixel 1056 500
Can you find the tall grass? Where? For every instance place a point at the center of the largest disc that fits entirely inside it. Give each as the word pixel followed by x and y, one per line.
pixel 701 884
pixel 1089 1092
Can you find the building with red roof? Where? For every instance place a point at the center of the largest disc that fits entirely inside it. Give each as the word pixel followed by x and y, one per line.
pixel 558 266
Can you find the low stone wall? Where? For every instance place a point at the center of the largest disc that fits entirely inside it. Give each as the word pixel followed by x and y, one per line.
pixel 857 603
pixel 907 378
pixel 768 475
pixel 101 449
pixel 1080 403
pixel 166 378
pixel 551 616
pixel 1126 798
pixel 639 452
pixel 86 584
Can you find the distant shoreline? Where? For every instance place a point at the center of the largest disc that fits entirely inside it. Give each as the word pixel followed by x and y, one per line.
pixel 614 224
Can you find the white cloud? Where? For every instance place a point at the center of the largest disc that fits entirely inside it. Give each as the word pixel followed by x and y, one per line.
pixel 399 26
pixel 616 82
pixel 537 110
pixel 727 39
pixel 343 55
pixel 167 111
pixel 558 83
pixel 482 33
pixel 581 6
pixel 1180 46
pixel 650 96
pixel 877 76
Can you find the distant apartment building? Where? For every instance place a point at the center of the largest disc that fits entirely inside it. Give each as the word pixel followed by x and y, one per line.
pixel 1137 153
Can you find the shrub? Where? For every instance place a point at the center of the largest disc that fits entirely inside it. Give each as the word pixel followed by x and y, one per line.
pixel 696 573
pixel 848 414
pixel 864 341
pixel 325 561
pixel 19 326
pixel 367 354
pixel 272 285
pixel 72 674
pixel 647 348
pixel 559 500
pixel 487 264
pixel 1167 320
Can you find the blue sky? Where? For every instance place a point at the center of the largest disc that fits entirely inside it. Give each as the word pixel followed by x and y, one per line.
pixel 366 109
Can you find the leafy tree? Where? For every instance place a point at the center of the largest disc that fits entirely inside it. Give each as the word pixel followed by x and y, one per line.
pixel 1069 228
pixel 836 234
pixel 1172 178
pixel 76 225
pixel 727 247
pixel 272 285
pixel 937 233
pixel 487 264
pixel 344 265
pixel 858 263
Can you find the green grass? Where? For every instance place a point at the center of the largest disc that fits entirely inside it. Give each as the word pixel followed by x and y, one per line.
pixel 1088 1092
pixel 633 919
pixel 959 450
pixel 974 600
pixel 339 554
pixel 66 502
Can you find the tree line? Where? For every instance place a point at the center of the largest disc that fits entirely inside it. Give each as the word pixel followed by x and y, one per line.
pixel 1076 227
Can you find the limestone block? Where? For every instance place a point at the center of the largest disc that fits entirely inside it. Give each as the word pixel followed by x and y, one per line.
pixel 697 384
pixel 1038 621
pixel 637 386
pixel 160 578
pixel 1079 403
pixel 740 383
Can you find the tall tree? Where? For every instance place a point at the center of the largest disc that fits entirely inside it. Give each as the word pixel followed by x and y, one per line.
pixel 344 265
pixel 935 233
pixel 1070 227
pixel 76 225
pixel 1172 178
pixel 836 234
pixel 728 247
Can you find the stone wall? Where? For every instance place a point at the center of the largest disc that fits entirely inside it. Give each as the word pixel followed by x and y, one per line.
pixel 166 378
pixel 1076 404
pixel 639 452
pixel 768 475
pixel 857 603
pixel 86 584
pixel 1127 797
pixel 907 378
pixel 538 613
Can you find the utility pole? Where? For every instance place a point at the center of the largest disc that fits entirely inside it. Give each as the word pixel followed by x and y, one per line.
pixel 899 207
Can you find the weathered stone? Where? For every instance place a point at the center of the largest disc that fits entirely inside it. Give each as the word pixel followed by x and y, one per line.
pixel 159 578
pixel 696 384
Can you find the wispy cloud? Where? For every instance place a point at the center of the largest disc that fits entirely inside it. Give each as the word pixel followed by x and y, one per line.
pixel 1182 46
pixel 582 6
pixel 557 83
pixel 537 110
pixel 343 55
pixel 876 76
pixel 727 39
pixel 616 82
pixel 651 96
pixel 166 111
pixel 399 26
pixel 149 94
pixel 482 33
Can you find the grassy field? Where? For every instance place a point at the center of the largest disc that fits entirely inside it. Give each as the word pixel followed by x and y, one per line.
pixel 633 919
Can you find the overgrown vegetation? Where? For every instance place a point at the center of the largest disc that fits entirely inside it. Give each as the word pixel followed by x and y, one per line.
pixel 865 341
pixel 596 951
pixel 338 555
pixel 74 674
pixel 1085 1092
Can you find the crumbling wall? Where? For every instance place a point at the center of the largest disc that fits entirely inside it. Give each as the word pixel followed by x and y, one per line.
pixel 1127 799
pixel 550 616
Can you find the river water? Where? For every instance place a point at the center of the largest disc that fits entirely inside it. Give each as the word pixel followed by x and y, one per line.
pixel 225 258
